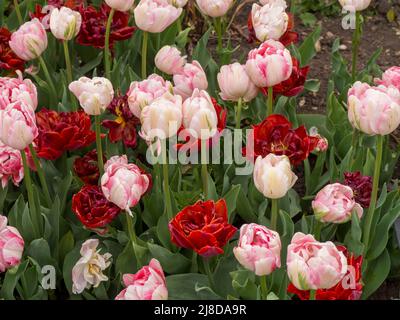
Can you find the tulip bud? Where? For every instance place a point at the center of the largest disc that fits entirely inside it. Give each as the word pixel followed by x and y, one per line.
pixel 235 84
pixel 214 8
pixel 65 23
pixel 374 110
pixel 355 5
pixel 162 118
pixel 29 41
pixel 314 265
pixel 192 77
pixel 259 249
pixel 11 245
pixel 273 176
pixel 169 60
pixel 18 125
pixel 199 115
pixel 269 22
pixel 155 15
pixel 94 95
pixel 270 64
pixel 120 5
pixel 335 204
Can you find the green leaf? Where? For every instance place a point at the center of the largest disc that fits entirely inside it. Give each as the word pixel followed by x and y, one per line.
pixel 11 279
pixel 190 286
pixel 377 272
pixel 201 53
pixel 243 283
pixel 172 263
pixel 307 48
pixel 231 200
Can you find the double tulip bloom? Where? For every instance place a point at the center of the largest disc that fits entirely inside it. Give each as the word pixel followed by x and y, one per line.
pixel 191 77
pixel 11 245
pixel 148 284
pixel 391 77
pixel 11 166
pixel 170 60
pixel 259 249
pixel 214 8
pixel 17 89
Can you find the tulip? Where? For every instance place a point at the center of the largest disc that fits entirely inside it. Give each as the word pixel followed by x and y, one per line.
pixel 214 8
pixel 178 3
pixel 313 265
pixel 11 245
pixel 374 110
pixel 11 166
pixel 18 125
pixel 390 77
pixel 273 176
pixel 123 183
pixel 120 5
pixel 169 60
pixel 199 115
pixel 148 284
pixel 258 249
pixel 29 41
pixel 94 95
pixel 17 89
pixel 142 93
pixel 88 271
pixel 162 118
pixel 361 186
pixel 355 5
pixel 335 203
pixel 65 23
pixel 192 77
pixel 269 21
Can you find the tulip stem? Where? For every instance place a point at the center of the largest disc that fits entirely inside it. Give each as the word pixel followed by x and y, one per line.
pixel 356 44
pixel 99 146
pixel 167 191
pixel 218 30
pixel 313 294
pixel 41 175
pixel 32 206
pixel 48 78
pixel 317 229
pixel 107 62
pixel 264 287
pixel 179 23
pixel 144 54
pixel 132 237
pixel 18 12
pixel 354 144
pixel 274 213
pixel 206 263
pixel 239 113
pixel 204 171
pixel 374 194
pixel 68 66
pixel 270 101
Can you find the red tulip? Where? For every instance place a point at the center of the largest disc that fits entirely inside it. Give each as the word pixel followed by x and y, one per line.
pixel 361 185
pixel 8 59
pixel 59 132
pixel 87 169
pixel 276 135
pixel 202 227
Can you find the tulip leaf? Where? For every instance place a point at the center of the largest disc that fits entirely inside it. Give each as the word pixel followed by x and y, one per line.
pixel 377 272
pixel 172 263
pixel 10 280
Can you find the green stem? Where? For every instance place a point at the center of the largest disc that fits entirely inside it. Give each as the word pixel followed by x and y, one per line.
pixel 18 12
pixel 356 44
pixel 317 229
pixel 206 263
pixel 292 6
pixel 107 62
pixel 204 171
pixel 264 287
pixel 179 23
pixel 144 54
pixel 32 207
pixel 69 73
pixel 218 30
pixel 270 101
pixel 167 191
pixel 354 144
pixel 48 78
pixel 132 236
pixel 99 146
pixel 239 113
pixel 374 195
pixel 41 175
pixel 274 213
pixel 313 294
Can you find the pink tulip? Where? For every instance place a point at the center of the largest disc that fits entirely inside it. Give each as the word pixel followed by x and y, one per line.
pixel 120 5
pixel 17 89
pixel 259 249
pixel 390 77
pixel 192 77
pixel 169 60
pixel 269 21
pixel 142 93
pixel 355 5
pixel 148 284
pixel 11 246
pixel 178 3
pixel 235 84
pixel 155 15
pixel 214 8
pixel 18 125
pixel 11 166
pixel 269 65
pixel 314 265
pixel 374 110
pixel 335 204
pixel 29 41
pixel 123 183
